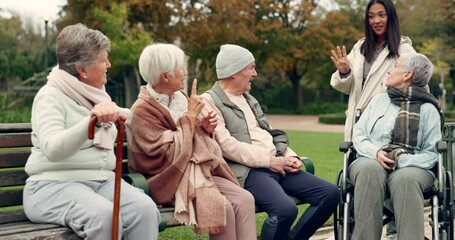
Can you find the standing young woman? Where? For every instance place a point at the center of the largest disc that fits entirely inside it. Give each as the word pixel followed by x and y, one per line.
pixel 362 72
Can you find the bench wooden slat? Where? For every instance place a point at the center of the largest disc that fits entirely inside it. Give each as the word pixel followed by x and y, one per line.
pixel 25 226
pixel 28 230
pixel 10 197
pixel 12 177
pixel 167 213
pixel 15 140
pixel 15 127
pixel 13 159
pixel 12 216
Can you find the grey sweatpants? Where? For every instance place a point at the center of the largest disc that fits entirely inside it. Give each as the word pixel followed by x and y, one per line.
pixel 406 186
pixel 86 207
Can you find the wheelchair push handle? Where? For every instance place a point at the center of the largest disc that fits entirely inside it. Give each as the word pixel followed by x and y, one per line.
pixel 441 146
pixel 345 146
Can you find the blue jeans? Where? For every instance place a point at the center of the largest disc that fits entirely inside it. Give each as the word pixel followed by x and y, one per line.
pixel 270 192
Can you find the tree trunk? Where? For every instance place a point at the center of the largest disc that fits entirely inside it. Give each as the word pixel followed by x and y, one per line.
pixel 131 85
pixel 297 90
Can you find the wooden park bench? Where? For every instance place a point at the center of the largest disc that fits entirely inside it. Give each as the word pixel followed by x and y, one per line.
pixel 15 147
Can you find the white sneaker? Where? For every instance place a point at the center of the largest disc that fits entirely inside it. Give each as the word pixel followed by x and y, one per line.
pixel 391 237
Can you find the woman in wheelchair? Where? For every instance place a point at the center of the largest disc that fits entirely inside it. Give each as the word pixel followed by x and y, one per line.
pixel 395 139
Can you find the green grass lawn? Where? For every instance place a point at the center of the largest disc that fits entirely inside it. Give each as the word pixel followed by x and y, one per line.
pixel 321 148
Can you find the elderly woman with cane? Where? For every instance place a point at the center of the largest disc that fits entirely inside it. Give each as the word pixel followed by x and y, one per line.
pixel 71 181
pixel 396 139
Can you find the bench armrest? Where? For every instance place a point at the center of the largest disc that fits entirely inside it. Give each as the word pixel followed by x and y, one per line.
pixel 138 180
pixel 309 166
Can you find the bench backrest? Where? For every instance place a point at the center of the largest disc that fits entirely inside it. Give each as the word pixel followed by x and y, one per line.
pixel 15 148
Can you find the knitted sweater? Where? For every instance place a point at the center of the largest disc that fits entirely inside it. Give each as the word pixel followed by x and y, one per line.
pixel 61 148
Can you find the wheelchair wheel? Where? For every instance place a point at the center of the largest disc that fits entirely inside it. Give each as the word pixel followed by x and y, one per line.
pixel 447 209
pixel 343 215
pixel 337 223
pixel 444 217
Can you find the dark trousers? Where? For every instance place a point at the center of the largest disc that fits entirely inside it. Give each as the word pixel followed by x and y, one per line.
pixel 270 191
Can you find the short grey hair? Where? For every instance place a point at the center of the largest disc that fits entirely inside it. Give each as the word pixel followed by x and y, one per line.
pixel 421 67
pixel 160 58
pixel 79 46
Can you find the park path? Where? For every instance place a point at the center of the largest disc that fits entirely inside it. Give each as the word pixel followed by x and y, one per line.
pixel 311 123
pixel 302 123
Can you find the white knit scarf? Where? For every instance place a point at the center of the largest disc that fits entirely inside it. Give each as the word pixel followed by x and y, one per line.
pixel 85 95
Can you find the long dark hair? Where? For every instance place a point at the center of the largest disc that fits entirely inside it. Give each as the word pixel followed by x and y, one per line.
pixel 392 36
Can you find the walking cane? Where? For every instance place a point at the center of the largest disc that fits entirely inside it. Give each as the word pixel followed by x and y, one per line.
pixel 118 168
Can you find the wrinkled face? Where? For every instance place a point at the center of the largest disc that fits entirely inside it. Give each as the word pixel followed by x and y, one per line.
pixel 397 75
pixel 377 17
pixel 177 82
pixel 243 78
pixel 95 74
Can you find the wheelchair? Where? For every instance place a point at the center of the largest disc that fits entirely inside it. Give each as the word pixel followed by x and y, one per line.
pixel 439 196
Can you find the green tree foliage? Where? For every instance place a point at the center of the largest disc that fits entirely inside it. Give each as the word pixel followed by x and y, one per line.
pixel 21 50
pixel 431 26
pixel 127 44
pixel 291 39
pixel 127 38
pixel 283 35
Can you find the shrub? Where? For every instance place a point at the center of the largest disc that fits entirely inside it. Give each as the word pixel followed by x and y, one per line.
pixel 21 115
pixel 334 118
pixel 322 108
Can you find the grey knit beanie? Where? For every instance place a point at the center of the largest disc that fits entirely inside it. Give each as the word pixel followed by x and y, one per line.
pixel 232 59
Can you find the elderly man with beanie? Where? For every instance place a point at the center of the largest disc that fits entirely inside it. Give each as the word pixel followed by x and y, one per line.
pixel 259 155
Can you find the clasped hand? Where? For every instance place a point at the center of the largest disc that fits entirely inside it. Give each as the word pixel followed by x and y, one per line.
pixel 384 161
pixel 285 164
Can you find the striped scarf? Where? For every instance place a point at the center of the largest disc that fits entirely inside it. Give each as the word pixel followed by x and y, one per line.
pixel 404 133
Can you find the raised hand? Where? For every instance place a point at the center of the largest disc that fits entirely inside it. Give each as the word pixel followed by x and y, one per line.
pixel 195 104
pixel 339 58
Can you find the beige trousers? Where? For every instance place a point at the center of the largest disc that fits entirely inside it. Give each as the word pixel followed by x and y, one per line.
pixel 241 216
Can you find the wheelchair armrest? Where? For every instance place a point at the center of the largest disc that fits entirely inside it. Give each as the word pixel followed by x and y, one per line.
pixel 309 166
pixel 345 146
pixel 441 146
pixel 138 180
